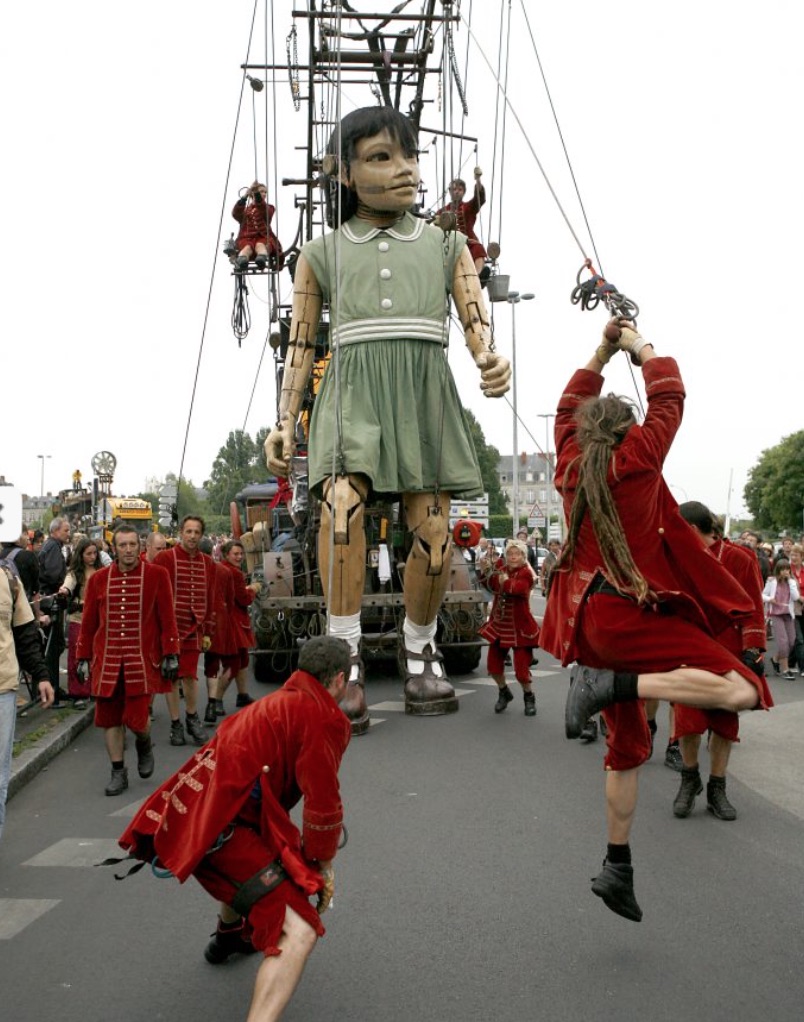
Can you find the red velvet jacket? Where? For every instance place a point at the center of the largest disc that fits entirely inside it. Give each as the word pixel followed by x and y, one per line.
pixel 289 745
pixel 128 621
pixel 224 639
pixel 668 552
pixel 192 580
pixel 510 622
pixel 239 615
pixel 744 566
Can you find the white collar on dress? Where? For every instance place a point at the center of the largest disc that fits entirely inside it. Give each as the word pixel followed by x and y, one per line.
pixel 408 228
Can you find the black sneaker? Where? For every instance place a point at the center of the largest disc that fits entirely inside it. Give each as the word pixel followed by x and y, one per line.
pixel 177 733
pixel 219 710
pixel 211 714
pixel 589 733
pixel 243 699
pixel 716 801
pixel 688 791
pixel 226 943
pixel 615 885
pixel 195 729
pixel 530 704
pixel 672 757
pixel 504 697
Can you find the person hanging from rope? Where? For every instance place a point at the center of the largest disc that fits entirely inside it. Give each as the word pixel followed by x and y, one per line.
pixel 387 418
pixel 636 598
pixel 466 214
pixel 254 214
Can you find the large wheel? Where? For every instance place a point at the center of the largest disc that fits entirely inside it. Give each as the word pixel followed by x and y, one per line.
pixel 458 660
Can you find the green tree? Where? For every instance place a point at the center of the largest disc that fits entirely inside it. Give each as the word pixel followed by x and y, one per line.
pixel 774 493
pixel 239 462
pixel 488 458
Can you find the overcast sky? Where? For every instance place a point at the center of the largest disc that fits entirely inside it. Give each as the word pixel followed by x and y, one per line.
pixel 682 125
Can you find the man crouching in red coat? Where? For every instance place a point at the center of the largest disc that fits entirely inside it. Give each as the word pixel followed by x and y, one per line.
pixel 224 818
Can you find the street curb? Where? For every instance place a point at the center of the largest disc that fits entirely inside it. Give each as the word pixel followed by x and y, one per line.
pixel 29 763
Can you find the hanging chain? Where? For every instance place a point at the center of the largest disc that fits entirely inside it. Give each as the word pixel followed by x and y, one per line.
pixel 456 74
pixel 293 68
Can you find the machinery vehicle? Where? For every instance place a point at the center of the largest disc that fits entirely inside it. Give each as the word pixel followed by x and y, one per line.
pixel 110 511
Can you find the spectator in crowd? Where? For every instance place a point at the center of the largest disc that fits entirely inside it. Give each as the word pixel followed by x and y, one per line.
pixel 26 564
pixel 532 558
pixel 780 595
pixel 52 563
pixel 549 562
pixel 754 540
pixel 83 565
pixel 797 574
pixel 19 648
pixel 154 543
pixel 128 646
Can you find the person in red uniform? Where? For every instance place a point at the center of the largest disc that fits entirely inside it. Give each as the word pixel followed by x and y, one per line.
pixel 511 624
pixel 238 596
pixel 254 214
pixel 222 648
pixel 224 819
pixel 746 640
pixel 192 579
pixel 636 599
pixel 128 648
pixel 466 214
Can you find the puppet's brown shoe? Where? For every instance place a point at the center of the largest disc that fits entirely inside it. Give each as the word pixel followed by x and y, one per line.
pixel 353 703
pixel 426 694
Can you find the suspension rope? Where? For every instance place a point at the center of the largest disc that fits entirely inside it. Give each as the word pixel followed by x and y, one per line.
pixel 214 261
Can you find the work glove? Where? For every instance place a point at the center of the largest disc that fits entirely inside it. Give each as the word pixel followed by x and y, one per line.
pixel 610 343
pixel 327 892
pixel 755 659
pixel 170 667
pixel 82 671
pixel 630 340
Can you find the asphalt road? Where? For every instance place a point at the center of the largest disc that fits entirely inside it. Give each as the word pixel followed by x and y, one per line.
pixel 462 895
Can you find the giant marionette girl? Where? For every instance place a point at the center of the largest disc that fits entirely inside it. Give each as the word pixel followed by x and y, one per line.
pixel 387 418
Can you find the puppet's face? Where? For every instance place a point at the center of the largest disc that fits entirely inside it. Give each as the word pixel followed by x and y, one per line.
pixel 382 175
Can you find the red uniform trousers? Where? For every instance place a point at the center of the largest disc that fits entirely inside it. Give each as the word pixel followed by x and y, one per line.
pixel 238 859
pixel 616 633
pixel 522 655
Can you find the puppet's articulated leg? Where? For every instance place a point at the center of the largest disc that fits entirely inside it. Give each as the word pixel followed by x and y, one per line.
pixel 427 690
pixel 342 565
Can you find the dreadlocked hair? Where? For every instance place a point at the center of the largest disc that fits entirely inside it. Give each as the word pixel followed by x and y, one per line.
pixel 602 425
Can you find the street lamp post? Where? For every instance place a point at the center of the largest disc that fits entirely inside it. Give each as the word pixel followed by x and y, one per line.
pixel 547 416
pixel 42 474
pixel 514 297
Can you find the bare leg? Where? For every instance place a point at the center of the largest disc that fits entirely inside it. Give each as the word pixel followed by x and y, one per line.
pixel 689 746
pixel 696 687
pixel 173 701
pixel 190 688
pixel 719 752
pixel 114 738
pixel 621 801
pixel 279 975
